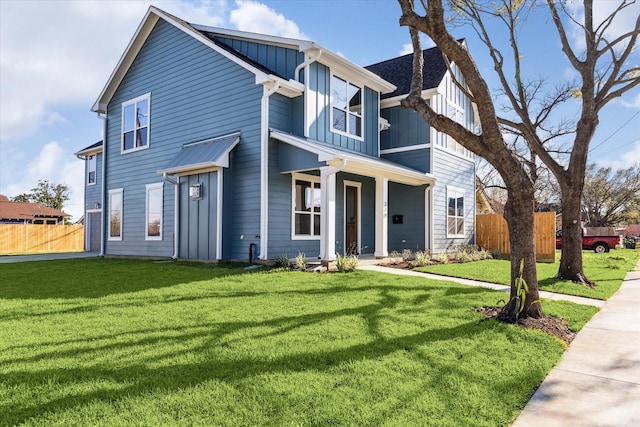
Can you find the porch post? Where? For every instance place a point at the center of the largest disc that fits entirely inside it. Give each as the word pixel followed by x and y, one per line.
pixel 328 213
pixel 382 207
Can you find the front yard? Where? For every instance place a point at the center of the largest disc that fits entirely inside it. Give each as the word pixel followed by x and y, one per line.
pixel 607 270
pixel 121 342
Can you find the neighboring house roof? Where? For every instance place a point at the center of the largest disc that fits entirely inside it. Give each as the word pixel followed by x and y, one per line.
pixel 90 150
pixel 203 154
pixel 400 70
pixel 263 75
pixel 26 211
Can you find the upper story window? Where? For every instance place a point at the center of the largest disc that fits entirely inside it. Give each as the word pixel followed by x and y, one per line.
pixel 91 169
pixel 346 107
pixel 135 123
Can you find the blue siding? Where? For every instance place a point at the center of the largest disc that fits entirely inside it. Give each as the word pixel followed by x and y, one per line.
pixel 93 192
pixel 196 93
pixel 279 59
pixel 454 170
pixel 415 159
pixel 198 224
pixel 409 202
pixel 407 128
pixel 319 104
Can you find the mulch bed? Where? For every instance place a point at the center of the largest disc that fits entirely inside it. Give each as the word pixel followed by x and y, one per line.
pixel 555 327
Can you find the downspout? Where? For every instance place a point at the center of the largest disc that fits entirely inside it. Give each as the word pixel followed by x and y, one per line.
pixel 308 61
pixel 103 220
pixel 264 169
pixel 176 198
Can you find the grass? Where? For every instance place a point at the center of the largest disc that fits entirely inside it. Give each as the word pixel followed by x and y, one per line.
pixel 607 270
pixel 118 342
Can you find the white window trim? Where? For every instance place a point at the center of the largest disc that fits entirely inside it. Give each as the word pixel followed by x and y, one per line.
pixel 456 191
pixel 95 169
pixel 312 179
pixel 146 96
pixel 338 131
pixel 151 187
pixel 116 192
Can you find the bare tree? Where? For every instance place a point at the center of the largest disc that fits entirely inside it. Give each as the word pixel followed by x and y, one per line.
pixel 489 143
pixel 611 198
pixel 601 62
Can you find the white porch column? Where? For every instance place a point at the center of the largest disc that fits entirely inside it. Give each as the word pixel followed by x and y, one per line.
pixel 328 213
pixel 382 209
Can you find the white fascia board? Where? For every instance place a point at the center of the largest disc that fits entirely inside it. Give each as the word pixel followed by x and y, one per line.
pixel 395 101
pixel 289 43
pixel 288 88
pixel 357 164
pixel 144 29
pixel 129 54
pixel 89 152
pixel 347 69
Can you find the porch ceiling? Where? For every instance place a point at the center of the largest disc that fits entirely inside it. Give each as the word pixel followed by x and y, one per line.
pixel 355 163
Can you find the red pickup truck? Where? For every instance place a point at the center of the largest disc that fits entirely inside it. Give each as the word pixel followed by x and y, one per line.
pixel 599 244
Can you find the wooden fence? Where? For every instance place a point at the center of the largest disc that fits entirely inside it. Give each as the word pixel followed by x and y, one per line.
pixel 40 238
pixel 492 234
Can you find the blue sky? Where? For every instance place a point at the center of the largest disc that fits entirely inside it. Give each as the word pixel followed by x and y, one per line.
pixel 56 56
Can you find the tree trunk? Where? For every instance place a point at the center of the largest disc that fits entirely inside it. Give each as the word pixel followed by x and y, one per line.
pixel 571 258
pixel 519 216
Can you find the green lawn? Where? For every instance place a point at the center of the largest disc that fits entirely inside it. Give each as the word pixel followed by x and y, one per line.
pixel 105 342
pixel 607 270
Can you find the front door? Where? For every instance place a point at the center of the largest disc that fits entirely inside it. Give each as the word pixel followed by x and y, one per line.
pixel 351 206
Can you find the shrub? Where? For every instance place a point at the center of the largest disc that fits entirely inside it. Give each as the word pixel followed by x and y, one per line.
pixel 407 255
pixel 283 261
pixel 346 262
pixel 301 261
pixel 421 258
pixel 443 258
pixel 464 257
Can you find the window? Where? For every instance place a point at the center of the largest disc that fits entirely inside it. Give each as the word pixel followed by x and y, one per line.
pixel 135 124
pixel 455 212
pixel 115 214
pixel 346 107
pixel 91 169
pixel 153 221
pixel 306 206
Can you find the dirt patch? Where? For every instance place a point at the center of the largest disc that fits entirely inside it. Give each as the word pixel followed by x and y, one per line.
pixel 555 327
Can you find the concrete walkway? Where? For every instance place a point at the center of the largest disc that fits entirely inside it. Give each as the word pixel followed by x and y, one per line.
pixel 43 257
pixel 597 382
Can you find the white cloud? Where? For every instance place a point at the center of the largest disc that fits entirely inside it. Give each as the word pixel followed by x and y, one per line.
pixel 632 103
pixel 62 52
pixel 425 43
pixel 628 159
pixel 258 18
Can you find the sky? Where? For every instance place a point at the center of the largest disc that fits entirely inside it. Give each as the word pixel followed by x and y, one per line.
pixel 56 57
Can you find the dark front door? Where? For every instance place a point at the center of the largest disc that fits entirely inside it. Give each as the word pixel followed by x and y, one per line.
pixel 351 214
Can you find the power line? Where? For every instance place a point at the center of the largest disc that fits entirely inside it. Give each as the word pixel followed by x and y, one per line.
pixel 614 132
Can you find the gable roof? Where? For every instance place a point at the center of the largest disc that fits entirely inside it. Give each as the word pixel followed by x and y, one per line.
pixel 400 70
pixel 26 211
pixel 90 150
pixel 263 75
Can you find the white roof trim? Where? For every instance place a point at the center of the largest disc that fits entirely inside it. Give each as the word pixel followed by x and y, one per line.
pixel 140 36
pixel 394 101
pixel 299 44
pixel 356 163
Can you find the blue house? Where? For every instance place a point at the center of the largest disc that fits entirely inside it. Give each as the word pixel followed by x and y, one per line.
pixel 223 144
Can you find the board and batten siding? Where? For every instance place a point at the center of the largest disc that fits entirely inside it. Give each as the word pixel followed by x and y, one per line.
pixel 408 202
pixel 452 170
pixel 279 59
pixel 407 128
pixel 195 94
pixel 319 108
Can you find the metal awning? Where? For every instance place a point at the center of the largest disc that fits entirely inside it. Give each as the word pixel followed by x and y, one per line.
pixel 206 154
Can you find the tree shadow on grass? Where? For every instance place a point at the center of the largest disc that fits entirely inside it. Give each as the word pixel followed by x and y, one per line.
pixel 218 355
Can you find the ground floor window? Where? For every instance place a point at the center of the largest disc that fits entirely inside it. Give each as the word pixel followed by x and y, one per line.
pixel 306 206
pixel 455 212
pixel 115 214
pixel 153 221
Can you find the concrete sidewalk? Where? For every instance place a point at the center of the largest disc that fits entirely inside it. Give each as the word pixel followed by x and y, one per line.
pixel 43 257
pixel 597 382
